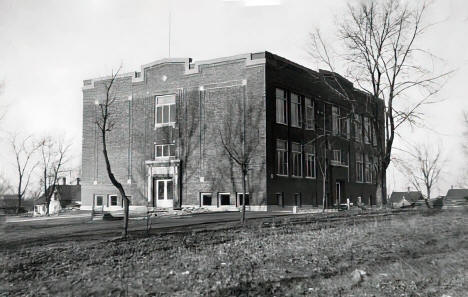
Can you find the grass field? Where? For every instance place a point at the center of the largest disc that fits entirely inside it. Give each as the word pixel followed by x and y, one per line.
pixel 422 254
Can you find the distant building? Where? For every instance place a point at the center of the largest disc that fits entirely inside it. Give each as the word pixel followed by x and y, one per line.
pixel 64 196
pixel 405 199
pixel 173 116
pixel 9 204
pixel 456 197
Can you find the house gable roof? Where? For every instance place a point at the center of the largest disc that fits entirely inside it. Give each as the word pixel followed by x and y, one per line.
pixel 457 194
pixel 411 196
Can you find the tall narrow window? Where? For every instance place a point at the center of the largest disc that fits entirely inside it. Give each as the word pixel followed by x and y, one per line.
pixel 281 157
pixel 281 107
pixel 357 128
pixel 359 167
pixel 165 110
pixel 309 151
pixel 336 123
pixel 367 169
pixel 309 113
pixel 296 156
pixel 367 130
pixel 337 156
pixel 345 129
pixel 296 111
pixel 374 135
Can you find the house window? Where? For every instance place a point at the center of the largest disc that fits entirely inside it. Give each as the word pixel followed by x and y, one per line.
pixel 240 198
pixel 367 130
pixel 367 169
pixel 345 127
pixel 296 156
pixel 279 199
pixel 310 161
pixel 165 110
pixel 206 199
pixel 309 113
pixel 164 150
pixel 296 111
pixel 357 128
pixel 297 199
pixel 359 167
pixel 281 107
pixel 281 157
pixel 337 156
pixel 224 199
pixel 336 122
pixel 98 200
pixel 113 200
pixel 374 135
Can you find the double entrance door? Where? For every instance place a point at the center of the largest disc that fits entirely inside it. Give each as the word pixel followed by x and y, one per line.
pixel 163 193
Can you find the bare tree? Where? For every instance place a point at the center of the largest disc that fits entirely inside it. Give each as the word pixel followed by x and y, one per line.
pixel 239 137
pixel 24 150
pixel 106 121
pixel 53 156
pixel 378 40
pixel 423 168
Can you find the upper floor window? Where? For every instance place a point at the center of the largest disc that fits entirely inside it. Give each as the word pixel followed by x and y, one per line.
pixel 359 167
pixel 281 107
pixel 374 135
pixel 367 130
pixel 367 169
pixel 309 114
pixel 337 156
pixel 357 128
pixel 296 111
pixel 165 110
pixel 309 151
pixel 345 126
pixel 164 150
pixel 296 156
pixel 281 157
pixel 336 122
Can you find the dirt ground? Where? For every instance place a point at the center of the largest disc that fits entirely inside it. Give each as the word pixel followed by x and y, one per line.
pixel 413 254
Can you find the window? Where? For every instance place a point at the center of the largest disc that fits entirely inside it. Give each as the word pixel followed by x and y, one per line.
pixel 337 156
pixel 281 107
pixel 345 127
pixel 336 122
pixel 224 199
pixel 297 199
pixel 296 111
pixel 279 199
pixel 98 200
pixel 309 113
pixel 296 156
pixel 240 198
pixel 113 200
pixel 164 150
pixel 357 128
pixel 367 130
pixel 165 110
pixel 367 169
pixel 359 167
pixel 281 157
pixel 205 199
pixel 374 136
pixel 310 160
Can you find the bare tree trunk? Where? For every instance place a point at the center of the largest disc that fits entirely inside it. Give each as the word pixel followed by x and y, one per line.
pixel 19 198
pixel 243 195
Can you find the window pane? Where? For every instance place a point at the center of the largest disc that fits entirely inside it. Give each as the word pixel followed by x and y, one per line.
pixel 172 150
pixel 159 115
pixel 170 190
pixel 165 118
pixel 158 151
pixel 165 150
pixel 173 113
pixel 99 200
pixel 161 190
pixel 206 199
pixel 224 199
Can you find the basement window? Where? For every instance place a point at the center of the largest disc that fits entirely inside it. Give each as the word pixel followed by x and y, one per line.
pixel 113 200
pixel 206 199
pixel 240 199
pixel 224 199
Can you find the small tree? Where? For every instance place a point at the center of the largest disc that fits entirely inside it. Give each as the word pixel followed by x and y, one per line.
pixel 24 150
pixel 239 136
pixel 423 168
pixel 53 156
pixel 106 121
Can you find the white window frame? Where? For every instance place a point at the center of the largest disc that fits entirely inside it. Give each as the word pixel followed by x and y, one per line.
pixel 202 194
pixel 337 156
pixel 284 153
pixel 238 194
pixel 281 115
pixel 358 128
pixel 109 197
pixel 309 114
pixel 219 199
pixel 336 121
pixel 309 151
pixel 102 200
pixel 296 110
pixel 157 104
pixel 367 130
pixel 168 145
pixel 359 167
pixel 296 153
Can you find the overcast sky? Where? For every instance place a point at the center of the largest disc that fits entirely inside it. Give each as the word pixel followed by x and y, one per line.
pixel 47 49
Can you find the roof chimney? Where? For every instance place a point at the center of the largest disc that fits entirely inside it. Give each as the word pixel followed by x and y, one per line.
pixel 408 189
pixel 64 180
pixel 78 181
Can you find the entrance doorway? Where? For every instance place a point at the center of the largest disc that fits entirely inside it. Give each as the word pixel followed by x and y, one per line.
pixel 163 193
pixel 338 192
